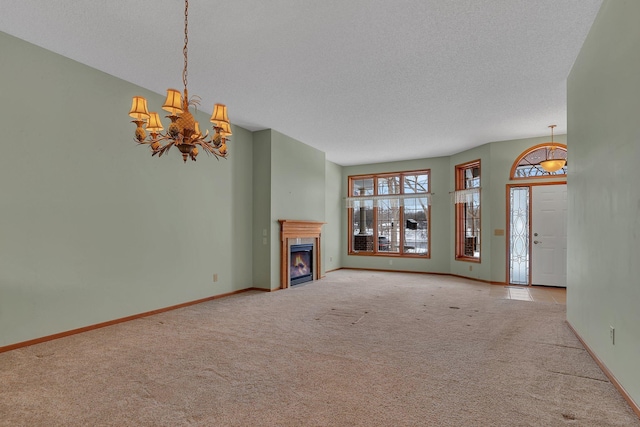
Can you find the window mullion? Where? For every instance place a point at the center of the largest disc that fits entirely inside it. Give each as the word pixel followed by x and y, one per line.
pixel 402 231
pixel 374 226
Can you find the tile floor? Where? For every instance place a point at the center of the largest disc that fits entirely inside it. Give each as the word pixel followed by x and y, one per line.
pixel 531 293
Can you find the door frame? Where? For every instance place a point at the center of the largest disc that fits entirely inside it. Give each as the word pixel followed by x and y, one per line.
pixel 508 223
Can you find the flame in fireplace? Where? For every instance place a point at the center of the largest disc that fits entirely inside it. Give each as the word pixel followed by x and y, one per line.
pixel 299 267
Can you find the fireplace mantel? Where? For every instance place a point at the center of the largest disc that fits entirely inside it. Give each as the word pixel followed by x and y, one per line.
pixel 294 229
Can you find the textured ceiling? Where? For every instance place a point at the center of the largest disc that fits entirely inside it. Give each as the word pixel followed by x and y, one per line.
pixel 365 81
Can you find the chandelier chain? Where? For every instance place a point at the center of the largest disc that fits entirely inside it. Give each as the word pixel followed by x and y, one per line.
pixel 185 50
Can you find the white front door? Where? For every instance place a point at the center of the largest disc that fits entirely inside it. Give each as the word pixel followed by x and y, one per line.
pixel 549 235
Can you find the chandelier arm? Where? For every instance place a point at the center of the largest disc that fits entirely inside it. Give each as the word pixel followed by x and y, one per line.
pixel 162 137
pixel 164 149
pixel 213 153
pixel 207 147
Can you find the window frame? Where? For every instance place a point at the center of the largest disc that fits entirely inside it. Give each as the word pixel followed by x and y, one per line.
pixel 543 174
pixel 460 232
pixel 401 215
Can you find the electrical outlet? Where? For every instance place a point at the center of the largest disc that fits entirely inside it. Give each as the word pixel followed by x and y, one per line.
pixel 215 277
pixel 612 334
pixel 264 240
pixel 390 262
pixel 330 259
pixel 471 268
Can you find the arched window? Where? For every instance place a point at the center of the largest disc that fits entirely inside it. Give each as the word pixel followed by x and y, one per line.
pixel 527 165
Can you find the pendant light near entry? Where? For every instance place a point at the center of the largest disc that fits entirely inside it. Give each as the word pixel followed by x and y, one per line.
pixel 552 164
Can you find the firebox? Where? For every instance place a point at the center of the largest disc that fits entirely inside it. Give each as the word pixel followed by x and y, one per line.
pixel 301 264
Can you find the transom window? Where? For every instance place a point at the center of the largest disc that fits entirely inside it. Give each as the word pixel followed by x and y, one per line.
pixel 467 200
pixel 389 214
pixel 527 165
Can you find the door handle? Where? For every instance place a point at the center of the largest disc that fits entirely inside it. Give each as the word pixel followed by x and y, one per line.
pixel 535 242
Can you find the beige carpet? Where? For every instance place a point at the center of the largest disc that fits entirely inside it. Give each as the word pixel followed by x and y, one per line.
pixel 358 348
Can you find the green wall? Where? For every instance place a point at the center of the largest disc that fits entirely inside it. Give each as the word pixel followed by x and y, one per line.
pixel 289 179
pixel 440 218
pixel 496 160
pixel 92 227
pixel 502 155
pixel 241 207
pixel 603 191
pixel 332 232
pixel 475 270
pixel 262 209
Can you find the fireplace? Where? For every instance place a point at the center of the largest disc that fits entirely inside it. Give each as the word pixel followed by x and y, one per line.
pixel 299 233
pixel 301 264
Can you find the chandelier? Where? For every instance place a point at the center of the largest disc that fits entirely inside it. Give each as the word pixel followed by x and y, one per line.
pixel 551 164
pixel 184 131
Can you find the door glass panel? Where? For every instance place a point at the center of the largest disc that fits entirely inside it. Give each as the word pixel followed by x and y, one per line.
pixel 519 236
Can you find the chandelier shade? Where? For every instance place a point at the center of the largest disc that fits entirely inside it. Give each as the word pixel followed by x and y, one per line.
pixel 183 131
pixel 154 125
pixel 173 103
pixel 219 114
pixel 139 108
pixel 225 129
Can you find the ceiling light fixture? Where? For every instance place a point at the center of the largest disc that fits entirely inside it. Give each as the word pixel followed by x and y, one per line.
pixel 551 164
pixel 184 130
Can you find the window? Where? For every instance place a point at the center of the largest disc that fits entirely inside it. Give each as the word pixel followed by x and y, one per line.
pixel 467 199
pixel 389 214
pixel 527 165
